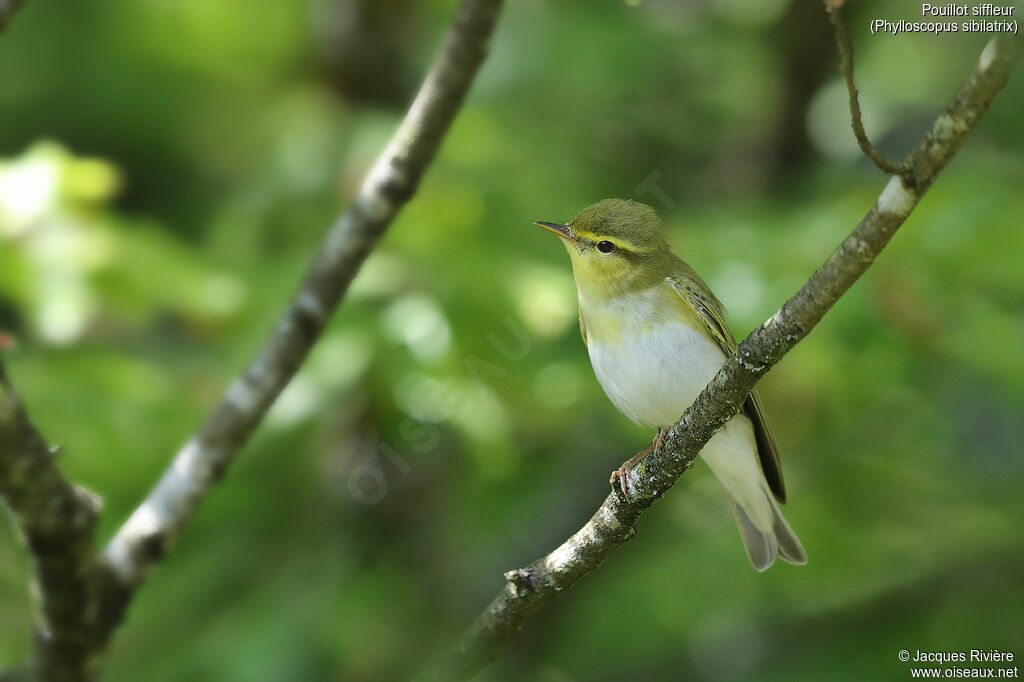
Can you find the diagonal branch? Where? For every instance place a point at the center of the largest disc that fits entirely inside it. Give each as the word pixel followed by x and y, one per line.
pixel 145 536
pixel 84 593
pixel 529 589
pixel 57 521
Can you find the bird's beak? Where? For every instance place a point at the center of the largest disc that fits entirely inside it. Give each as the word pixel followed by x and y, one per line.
pixel 559 229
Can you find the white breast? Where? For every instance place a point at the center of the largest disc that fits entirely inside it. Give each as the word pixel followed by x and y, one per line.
pixel 651 366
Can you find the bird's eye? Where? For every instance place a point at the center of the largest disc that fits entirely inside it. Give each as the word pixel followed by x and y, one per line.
pixel 605 247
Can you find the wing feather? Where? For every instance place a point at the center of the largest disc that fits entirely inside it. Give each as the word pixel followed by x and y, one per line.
pixel 709 311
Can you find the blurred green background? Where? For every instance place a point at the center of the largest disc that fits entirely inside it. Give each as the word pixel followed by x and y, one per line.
pixel 167 169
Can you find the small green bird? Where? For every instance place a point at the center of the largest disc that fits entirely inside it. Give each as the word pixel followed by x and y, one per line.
pixel 656 336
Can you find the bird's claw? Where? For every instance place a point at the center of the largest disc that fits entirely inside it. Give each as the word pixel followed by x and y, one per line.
pixel 659 438
pixel 623 471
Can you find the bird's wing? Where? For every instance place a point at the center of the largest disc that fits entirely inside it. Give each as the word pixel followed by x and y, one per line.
pixel 767 451
pixel 583 328
pixel 708 311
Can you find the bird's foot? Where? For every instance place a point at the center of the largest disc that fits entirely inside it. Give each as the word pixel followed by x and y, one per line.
pixel 623 471
pixel 659 438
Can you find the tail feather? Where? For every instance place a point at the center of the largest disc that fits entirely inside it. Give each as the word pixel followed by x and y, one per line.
pixel 763 548
pixel 790 548
pixel 766 535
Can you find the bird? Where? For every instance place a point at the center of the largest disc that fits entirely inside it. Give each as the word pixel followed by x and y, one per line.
pixel 656 335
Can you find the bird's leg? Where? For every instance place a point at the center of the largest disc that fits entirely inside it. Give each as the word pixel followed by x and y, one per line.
pixel 627 466
pixel 659 437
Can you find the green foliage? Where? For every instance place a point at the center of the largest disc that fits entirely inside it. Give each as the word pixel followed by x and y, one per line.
pixel 167 172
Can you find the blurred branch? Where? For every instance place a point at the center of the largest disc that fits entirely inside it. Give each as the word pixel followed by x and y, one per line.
pixel 57 521
pixel 84 593
pixel 145 536
pixel 7 10
pixel 834 10
pixel 529 589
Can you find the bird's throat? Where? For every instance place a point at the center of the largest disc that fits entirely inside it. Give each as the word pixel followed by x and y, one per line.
pixel 601 278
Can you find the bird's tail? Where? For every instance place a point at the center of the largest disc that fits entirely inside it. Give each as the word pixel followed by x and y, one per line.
pixel 763 547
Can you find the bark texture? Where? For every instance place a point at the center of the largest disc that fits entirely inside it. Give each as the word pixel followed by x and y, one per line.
pixel 57 522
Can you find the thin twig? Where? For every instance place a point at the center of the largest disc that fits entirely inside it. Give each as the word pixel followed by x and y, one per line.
pixel 529 589
pixel 834 11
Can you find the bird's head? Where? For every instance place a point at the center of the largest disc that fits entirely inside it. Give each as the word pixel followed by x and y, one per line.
pixel 615 246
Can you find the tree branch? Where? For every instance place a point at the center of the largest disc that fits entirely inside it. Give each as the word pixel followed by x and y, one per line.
pixel 529 589
pixel 85 593
pixel 145 536
pixel 57 521
pixel 834 8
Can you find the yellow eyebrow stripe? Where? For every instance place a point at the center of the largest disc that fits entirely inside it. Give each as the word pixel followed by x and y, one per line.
pixel 618 241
